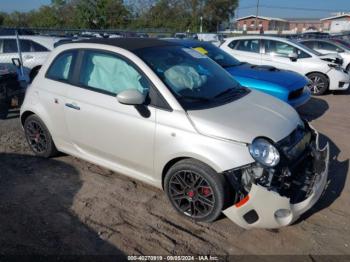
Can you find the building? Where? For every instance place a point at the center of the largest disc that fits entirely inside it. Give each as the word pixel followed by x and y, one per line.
pixel 247 23
pixel 326 22
pixel 302 25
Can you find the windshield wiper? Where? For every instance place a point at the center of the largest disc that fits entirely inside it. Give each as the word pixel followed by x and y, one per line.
pixel 198 98
pixel 225 92
pixel 227 66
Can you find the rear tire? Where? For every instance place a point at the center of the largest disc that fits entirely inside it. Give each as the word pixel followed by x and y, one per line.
pixel 319 84
pixel 195 190
pixel 39 138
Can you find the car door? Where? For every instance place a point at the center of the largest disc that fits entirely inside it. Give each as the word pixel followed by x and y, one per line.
pixel 103 130
pixel 52 91
pixel 246 50
pixel 8 50
pixel 277 53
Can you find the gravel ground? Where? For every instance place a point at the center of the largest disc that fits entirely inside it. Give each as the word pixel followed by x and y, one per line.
pixel 68 206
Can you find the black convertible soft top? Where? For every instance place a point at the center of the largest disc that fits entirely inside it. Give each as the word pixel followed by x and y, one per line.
pixel 130 44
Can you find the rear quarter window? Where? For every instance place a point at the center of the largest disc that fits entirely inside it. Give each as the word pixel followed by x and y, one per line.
pixel 61 67
pixel 38 48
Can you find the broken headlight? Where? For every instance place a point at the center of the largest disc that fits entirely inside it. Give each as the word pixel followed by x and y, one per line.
pixel 264 152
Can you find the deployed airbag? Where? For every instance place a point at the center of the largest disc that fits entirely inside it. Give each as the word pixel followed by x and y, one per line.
pixel 181 77
pixel 111 74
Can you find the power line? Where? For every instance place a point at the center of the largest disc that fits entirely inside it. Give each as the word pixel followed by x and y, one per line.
pixel 291 8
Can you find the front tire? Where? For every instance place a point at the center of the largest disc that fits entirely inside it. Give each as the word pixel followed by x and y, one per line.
pixel 319 84
pixel 195 190
pixel 39 138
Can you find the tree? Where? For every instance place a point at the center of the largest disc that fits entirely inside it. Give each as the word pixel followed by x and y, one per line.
pixel 44 17
pixel 216 12
pixel 100 14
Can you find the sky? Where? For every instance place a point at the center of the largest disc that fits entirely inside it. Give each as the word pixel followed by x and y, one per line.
pixel 293 8
pixel 321 8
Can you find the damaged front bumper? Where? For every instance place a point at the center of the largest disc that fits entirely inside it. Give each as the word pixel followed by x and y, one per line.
pixel 263 208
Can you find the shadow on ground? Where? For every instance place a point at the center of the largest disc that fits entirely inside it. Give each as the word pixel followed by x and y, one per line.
pixel 36 196
pixel 338 171
pixel 313 109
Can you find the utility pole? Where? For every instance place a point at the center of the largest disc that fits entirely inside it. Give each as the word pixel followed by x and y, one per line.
pixel 201 26
pixel 257 13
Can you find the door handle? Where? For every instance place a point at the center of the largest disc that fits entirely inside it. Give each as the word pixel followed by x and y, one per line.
pixel 73 106
pixel 28 57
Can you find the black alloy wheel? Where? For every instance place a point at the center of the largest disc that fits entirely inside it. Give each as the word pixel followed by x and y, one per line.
pixel 38 137
pixel 196 191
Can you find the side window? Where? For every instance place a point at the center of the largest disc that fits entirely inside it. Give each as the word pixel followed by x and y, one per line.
pixel 328 46
pixel 10 46
pixel 38 48
pixel 110 74
pixel 25 45
pixel 278 48
pixel 310 44
pixel 249 45
pixel 61 67
pixel 233 44
pixel 302 54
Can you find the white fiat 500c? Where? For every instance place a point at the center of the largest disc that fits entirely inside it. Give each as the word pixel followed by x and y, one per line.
pixel 171 117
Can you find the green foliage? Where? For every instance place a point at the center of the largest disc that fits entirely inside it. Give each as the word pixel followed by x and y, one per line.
pixel 175 15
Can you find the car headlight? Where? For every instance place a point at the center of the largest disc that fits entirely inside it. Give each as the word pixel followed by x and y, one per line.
pixel 264 152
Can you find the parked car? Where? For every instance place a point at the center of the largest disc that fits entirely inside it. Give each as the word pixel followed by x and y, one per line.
pixel 325 46
pixel 35 50
pixel 213 38
pixel 142 35
pixel 11 90
pixel 290 55
pixel 180 35
pixel 286 85
pixel 172 117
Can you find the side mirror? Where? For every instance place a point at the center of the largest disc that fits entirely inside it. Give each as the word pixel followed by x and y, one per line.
pixel 131 97
pixel 293 57
pixel 16 62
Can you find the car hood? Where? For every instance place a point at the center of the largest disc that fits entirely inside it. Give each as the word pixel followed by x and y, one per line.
pixel 287 79
pixel 254 115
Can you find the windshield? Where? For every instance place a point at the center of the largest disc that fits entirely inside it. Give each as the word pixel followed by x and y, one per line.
pixel 305 47
pixel 194 79
pixel 343 44
pixel 218 55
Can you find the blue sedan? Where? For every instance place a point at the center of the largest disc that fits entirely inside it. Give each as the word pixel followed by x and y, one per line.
pixel 285 85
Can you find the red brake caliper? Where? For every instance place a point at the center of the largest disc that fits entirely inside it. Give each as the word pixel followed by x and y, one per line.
pixel 206 191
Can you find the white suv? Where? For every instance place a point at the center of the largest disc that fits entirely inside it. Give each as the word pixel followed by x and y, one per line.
pixel 290 55
pixel 35 50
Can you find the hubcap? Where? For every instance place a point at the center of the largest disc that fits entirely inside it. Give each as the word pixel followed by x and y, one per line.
pixel 191 194
pixel 316 85
pixel 36 137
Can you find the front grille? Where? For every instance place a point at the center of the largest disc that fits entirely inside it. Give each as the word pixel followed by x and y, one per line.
pixel 295 94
